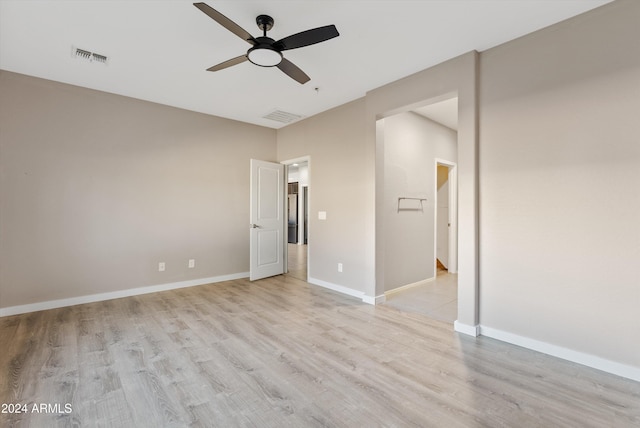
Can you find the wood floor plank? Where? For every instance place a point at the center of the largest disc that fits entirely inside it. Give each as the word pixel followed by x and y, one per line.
pixel 280 352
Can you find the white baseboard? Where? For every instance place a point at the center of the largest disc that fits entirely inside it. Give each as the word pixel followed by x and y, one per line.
pixel 613 367
pixel 374 300
pixel 342 289
pixel 469 330
pixel 369 300
pixel 52 304
pixel 408 286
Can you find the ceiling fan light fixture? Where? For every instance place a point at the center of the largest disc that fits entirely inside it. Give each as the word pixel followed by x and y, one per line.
pixel 264 56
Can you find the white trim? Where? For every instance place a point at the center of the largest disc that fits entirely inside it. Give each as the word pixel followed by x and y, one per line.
pixel 60 303
pixel 378 300
pixel 408 286
pixel 342 289
pixel 374 300
pixel 301 159
pixel 589 360
pixel 469 330
pixel 453 219
pixel 370 300
pixel 302 190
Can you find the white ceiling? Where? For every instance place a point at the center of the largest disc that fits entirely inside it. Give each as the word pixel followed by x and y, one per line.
pixel 159 50
pixel 444 112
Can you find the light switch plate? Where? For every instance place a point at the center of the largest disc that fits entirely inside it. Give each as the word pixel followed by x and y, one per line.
pixel 322 215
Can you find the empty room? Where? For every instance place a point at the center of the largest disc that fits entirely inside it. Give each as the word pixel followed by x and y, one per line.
pixel 339 213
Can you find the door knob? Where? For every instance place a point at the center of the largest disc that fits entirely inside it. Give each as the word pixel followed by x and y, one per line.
pixel 254 226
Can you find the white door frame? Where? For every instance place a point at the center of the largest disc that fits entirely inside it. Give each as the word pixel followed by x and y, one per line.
pixel 301 212
pixel 453 215
pixel 288 162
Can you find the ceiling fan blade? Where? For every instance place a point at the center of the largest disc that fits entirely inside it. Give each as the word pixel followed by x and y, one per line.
pixel 306 38
pixel 237 60
pixel 292 70
pixel 226 22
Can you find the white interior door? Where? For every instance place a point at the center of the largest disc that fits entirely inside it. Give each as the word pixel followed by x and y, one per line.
pixel 442 235
pixel 267 212
pixel 446 225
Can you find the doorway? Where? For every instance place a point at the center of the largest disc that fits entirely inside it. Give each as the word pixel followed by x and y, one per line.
pixel 420 152
pixel 298 217
pixel 458 78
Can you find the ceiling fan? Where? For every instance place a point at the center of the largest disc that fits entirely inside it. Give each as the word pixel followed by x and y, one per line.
pixel 265 51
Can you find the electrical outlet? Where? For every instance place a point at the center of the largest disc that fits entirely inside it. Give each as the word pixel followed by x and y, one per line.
pixel 339 267
pixel 192 263
pixel 161 267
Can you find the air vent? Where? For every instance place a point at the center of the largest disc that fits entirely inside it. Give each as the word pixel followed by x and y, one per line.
pixel 99 58
pixel 282 116
pixel 82 54
pixel 88 55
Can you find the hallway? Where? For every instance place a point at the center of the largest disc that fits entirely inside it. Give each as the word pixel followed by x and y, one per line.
pixel 437 299
pixel 297 261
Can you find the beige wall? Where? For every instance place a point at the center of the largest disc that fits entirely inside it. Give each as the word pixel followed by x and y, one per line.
pixel 411 145
pixel 96 189
pixel 560 185
pixel 338 185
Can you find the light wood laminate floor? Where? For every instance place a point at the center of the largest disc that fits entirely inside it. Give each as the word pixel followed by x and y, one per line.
pixel 282 353
pixel 297 261
pixel 436 299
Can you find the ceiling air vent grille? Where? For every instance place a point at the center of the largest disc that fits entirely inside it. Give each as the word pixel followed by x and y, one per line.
pixel 282 116
pixel 82 54
pixel 99 58
pixel 88 56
